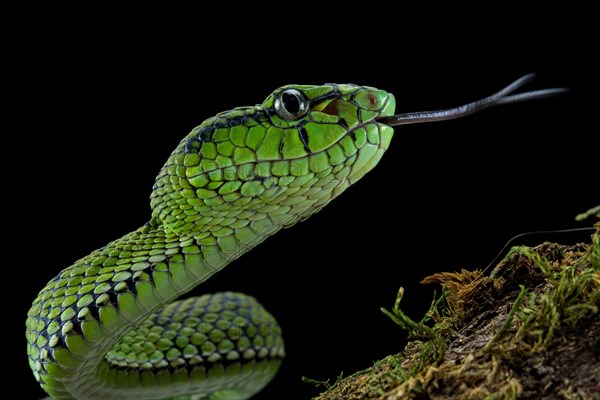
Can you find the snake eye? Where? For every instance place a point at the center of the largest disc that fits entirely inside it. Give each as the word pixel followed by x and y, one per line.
pixel 291 104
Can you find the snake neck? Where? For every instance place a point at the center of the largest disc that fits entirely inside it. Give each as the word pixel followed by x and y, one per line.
pixel 91 305
pixel 85 310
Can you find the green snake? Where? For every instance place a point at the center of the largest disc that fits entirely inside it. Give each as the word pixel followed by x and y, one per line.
pixel 108 326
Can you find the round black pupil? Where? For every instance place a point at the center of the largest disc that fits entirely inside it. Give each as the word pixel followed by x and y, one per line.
pixel 291 103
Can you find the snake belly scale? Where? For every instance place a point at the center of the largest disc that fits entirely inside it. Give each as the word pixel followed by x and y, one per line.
pixel 108 326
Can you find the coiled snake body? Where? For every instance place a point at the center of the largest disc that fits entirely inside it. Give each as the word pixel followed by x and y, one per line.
pixel 107 326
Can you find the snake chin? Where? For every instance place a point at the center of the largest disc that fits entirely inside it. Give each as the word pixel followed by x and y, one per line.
pixel 370 154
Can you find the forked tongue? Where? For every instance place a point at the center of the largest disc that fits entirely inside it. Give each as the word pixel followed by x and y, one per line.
pixel 504 96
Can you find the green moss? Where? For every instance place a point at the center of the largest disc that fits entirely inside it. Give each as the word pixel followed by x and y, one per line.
pixel 433 339
pixel 589 213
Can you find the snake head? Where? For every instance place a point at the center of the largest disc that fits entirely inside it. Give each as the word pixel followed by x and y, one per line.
pixel 283 159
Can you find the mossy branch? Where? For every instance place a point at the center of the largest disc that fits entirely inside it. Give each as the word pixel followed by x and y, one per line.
pixel 526 331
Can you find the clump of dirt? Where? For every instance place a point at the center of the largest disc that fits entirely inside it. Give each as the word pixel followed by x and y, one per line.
pixel 529 330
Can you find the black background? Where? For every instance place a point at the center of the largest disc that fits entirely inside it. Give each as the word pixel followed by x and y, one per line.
pixel 100 108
